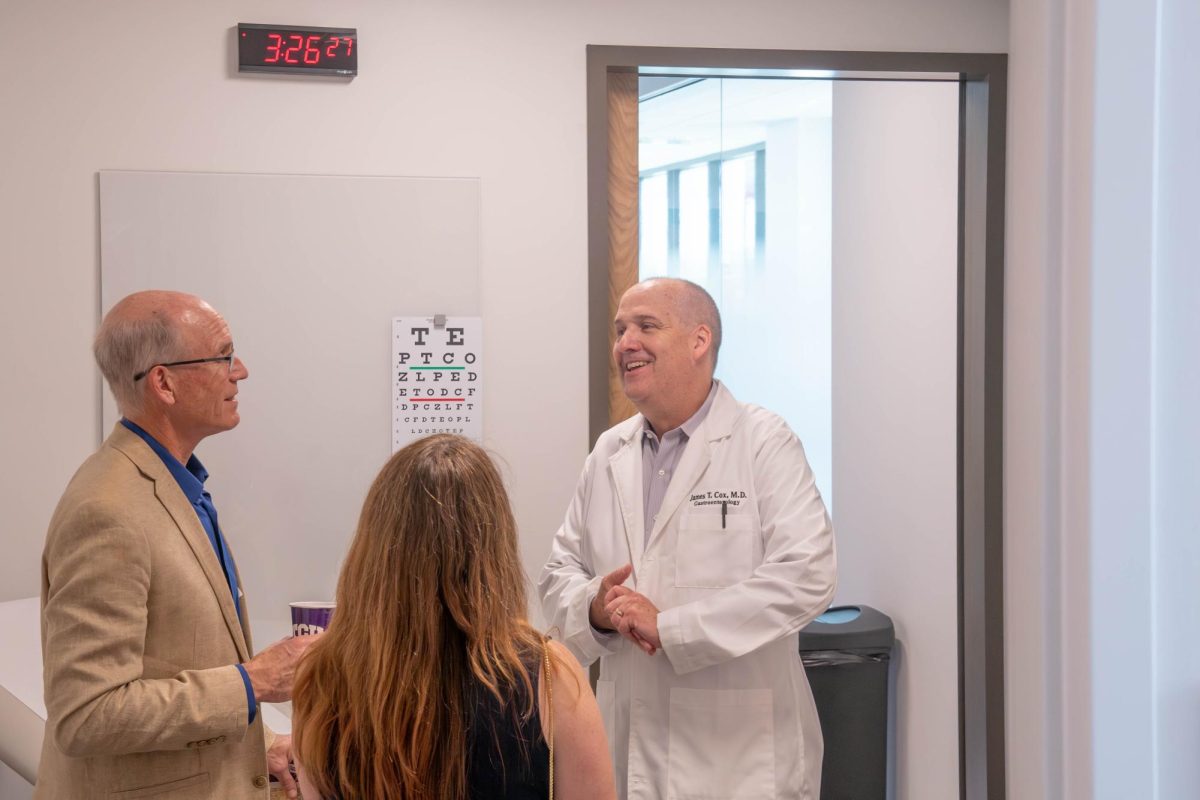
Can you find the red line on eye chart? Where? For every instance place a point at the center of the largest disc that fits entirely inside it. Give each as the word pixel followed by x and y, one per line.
pixel 436 399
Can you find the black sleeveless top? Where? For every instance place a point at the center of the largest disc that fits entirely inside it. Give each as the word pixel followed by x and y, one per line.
pixel 507 757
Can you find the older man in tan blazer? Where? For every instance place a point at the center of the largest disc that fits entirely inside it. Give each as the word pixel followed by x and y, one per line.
pixel 150 685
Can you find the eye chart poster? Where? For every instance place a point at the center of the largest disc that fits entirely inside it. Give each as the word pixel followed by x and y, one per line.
pixel 437 380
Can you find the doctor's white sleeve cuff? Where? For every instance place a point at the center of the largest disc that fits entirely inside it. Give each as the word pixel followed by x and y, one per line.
pixel 585 642
pixel 671 635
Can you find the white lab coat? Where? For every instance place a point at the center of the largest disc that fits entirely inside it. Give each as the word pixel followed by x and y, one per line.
pixel 724 709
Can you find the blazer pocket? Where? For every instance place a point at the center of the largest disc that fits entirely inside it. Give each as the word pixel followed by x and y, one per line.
pixel 191 788
pixel 712 554
pixel 738 724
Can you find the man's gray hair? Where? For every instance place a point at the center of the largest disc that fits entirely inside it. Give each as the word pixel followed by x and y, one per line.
pixel 124 347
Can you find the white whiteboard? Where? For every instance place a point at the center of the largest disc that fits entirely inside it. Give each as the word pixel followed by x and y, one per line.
pixel 309 272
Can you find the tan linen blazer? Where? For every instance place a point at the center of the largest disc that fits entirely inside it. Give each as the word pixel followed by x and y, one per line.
pixel 139 639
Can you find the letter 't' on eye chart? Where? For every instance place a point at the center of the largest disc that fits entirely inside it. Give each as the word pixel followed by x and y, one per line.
pixel 437 378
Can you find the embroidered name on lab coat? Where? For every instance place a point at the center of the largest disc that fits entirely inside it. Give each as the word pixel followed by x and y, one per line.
pixel 732 498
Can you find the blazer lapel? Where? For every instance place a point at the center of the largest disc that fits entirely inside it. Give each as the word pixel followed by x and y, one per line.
pixel 167 490
pixel 625 468
pixel 173 500
pixel 244 617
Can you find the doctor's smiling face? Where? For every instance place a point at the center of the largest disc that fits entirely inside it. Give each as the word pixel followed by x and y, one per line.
pixel 663 354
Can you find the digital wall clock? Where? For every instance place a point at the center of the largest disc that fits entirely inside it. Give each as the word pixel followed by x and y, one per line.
pixel 297 49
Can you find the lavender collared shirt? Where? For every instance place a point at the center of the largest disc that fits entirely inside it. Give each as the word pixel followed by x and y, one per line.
pixel 661 457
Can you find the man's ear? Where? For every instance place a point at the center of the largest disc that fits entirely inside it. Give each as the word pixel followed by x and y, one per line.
pixel 160 386
pixel 701 342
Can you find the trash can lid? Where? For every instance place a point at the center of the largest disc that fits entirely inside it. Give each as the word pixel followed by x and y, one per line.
pixel 854 627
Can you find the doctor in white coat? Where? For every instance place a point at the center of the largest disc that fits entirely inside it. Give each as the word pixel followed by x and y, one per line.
pixel 695 549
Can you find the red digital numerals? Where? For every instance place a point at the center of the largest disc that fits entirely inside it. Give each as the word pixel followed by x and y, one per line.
pixel 337 41
pixel 297 49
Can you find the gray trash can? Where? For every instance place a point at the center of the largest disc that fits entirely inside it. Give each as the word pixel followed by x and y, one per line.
pixel 846 653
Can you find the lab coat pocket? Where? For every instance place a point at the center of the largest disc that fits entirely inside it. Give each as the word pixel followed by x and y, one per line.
pixel 721 745
pixel 710 556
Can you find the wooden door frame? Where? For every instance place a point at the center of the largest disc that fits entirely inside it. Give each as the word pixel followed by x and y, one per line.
pixel 982 81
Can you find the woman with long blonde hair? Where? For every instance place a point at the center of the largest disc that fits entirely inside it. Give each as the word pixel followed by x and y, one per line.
pixel 430 683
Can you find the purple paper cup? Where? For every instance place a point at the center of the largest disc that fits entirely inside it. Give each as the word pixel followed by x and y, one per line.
pixel 311 616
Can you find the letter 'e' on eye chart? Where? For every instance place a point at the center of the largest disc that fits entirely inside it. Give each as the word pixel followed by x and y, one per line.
pixel 437 377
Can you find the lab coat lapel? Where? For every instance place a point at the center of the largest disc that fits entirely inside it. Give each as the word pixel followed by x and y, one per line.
pixel 625 469
pixel 696 457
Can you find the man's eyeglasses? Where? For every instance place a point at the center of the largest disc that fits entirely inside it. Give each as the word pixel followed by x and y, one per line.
pixel 228 360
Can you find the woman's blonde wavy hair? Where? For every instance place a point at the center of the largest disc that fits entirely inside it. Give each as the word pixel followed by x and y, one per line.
pixel 430 602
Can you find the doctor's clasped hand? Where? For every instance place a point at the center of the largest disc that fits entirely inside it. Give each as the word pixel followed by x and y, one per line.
pixel 631 622
pixel 635 616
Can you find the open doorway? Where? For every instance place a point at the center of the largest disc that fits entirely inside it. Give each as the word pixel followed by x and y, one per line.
pixel 881 337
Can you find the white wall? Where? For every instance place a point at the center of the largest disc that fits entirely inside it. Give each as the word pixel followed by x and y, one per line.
pixel 1047 228
pixel 1102 383
pixel 895 383
pixel 1176 434
pixel 1145 388
pixel 1120 403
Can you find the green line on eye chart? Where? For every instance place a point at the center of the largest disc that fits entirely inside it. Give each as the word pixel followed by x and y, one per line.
pixel 437 367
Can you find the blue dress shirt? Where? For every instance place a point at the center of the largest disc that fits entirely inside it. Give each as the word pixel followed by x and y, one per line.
pixel 191 480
